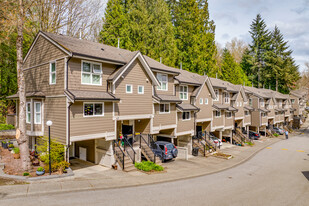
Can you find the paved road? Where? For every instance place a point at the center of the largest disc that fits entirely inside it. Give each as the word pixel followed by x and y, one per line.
pixel 275 176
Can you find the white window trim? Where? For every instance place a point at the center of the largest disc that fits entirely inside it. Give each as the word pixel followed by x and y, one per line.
pixel 169 109
pixel 206 100
pixel 250 102
pixel 201 100
pixel 216 115
pixel 142 86
pixel 35 112
pixel 226 97
pixel 230 116
pixel 248 113
pixel 262 103
pixel 28 112
pixel 240 104
pixel 160 81
pixel 217 96
pixel 102 115
pixel 187 92
pixel 186 119
pixel 131 88
pixel 51 73
pixel 91 73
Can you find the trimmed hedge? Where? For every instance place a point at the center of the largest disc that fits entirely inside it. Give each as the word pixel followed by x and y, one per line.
pixel 6 127
pixel 148 166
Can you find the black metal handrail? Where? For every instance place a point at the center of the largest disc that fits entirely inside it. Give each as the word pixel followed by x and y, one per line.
pixel 143 140
pixel 119 155
pixel 125 148
pixel 243 137
pixel 211 146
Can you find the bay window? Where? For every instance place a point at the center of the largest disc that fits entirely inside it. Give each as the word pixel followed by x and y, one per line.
pixel 28 112
pixel 186 116
pixel 37 113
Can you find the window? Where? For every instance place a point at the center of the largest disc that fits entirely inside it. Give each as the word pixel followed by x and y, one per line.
pixel 201 100
pixel 250 102
pixel 262 102
pixel 217 95
pixel 183 92
pixel 164 108
pixel 129 88
pixel 226 97
pixel 292 101
pixel 229 114
pixel 218 114
pixel 93 109
pixel 237 104
pixel 28 112
pixel 140 89
pixel 186 116
pixel 280 104
pixel 240 104
pixel 91 73
pixel 206 100
pixel 246 113
pixel 52 73
pixel 162 78
pixel 37 112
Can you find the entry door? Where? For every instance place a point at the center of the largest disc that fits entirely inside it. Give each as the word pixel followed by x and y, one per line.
pixel 199 130
pixel 127 129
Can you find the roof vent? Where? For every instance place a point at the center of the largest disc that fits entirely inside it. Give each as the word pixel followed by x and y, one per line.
pixel 102 49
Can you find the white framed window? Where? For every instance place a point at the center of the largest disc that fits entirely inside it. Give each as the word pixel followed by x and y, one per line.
pixel 250 102
pixel 226 97
pixel 201 100
pixel 237 104
pixel 91 73
pixel 228 114
pixel 129 88
pixel 93 109
pixel 206 100
pixel 217 113
pixel 217 95
pixel 52 73
pixel 292 101
pixel 164 108
pixel 240 104
pixel 140 89
pixel 28 112
pixel 246 113
pixel 186 116
pixel 37 113
pixel 162 78
pixel 183 92
pixel 262 102
pixel 280 104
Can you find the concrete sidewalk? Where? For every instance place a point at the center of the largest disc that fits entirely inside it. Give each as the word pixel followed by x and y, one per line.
pixel 98 177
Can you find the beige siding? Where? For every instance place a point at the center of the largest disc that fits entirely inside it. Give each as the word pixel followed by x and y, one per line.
pixel 205 109
pixel 75 67
pixel 271 107
pixel 43 52
pixel 218 121
pixel 142 126
pixel 134 104
pixel 81 125
pixel 55 110
pixel 185 125
pixel 255 120
pixel 190 90
pixel 164 119
pixel 264 120
pixel 170 88
pixel 229 121
pixel 240 113
pixel 255 102
pixel 247 119
pixel 37 79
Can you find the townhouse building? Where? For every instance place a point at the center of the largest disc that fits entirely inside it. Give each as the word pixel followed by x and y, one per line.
pixel 95 94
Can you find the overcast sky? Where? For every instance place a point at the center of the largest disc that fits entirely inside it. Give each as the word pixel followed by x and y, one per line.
pixel 233 19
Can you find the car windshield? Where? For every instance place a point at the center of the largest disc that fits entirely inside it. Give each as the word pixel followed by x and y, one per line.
pixel 169 146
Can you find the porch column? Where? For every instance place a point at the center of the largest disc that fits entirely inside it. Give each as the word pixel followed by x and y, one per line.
pixel 265 132
pixel 220 135
pixel 247 131
pixel 109 158
pixel 258 129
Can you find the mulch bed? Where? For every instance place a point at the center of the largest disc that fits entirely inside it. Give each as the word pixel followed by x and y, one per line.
pixel 13 166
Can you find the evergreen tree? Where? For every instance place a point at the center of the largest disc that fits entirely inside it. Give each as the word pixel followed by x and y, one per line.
pixel 231 71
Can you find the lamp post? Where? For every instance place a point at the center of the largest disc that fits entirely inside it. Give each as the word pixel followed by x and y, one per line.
pixel 49 123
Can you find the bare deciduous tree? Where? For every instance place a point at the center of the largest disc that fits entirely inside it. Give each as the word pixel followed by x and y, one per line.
pixel 236 48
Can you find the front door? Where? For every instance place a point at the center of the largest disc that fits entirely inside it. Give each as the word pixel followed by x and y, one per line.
pixel 199 130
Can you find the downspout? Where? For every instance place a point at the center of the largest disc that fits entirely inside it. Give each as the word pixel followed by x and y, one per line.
pixel 68 108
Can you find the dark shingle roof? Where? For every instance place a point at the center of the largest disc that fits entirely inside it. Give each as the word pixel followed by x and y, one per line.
pixel 28 94
pixel 187 107
pixel 166 98
pixel 92 95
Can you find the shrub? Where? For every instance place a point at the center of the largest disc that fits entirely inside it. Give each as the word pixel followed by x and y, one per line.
pixel 26 174
pixel 40 169
pixel 148 166
pixel 16 150
pixel 11 146
pixel 276 135
pixel 57 166
pixel 6 127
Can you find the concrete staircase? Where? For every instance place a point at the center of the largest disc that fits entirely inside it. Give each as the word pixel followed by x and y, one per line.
pixel 149 155
pixel 123 159
pixel 242 136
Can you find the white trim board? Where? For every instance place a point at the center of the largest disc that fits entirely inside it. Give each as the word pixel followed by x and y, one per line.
pixel 107 135
pixel 131 117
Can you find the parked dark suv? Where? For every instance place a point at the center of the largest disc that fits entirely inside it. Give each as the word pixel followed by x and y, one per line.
pixel 165 150
pixel 254 135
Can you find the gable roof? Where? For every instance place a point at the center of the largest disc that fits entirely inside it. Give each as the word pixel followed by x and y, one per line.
pixel 198 90
pixel 223 85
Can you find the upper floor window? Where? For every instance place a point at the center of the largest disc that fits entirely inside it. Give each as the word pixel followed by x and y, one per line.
pixel 229 114
pixel 183 92
pixel 201 100
pixel 28 112
pixel 206 100
pixel 240 104
pixel 162 78
pixel 262 102
pixel 280 104
pixel 52 73
pixel 37 113
pixel 129 88
pixel 140 89
pixel 246 113
pixel 186 116
pixel 91 73
pixel 218 113
pixel 292 101
pixel 226 97
pixel 217 95
pixel 164 108
pixel 250 102
pixel 93 109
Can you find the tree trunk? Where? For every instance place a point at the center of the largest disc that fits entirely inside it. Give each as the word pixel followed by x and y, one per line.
pixel 23 139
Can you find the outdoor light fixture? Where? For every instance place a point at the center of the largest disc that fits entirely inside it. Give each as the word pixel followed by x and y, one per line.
pixel 49 123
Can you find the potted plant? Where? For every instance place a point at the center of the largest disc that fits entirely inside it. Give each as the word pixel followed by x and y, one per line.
pixel 40 171
pixel 16 154
pixel 11 146
pixel 4 144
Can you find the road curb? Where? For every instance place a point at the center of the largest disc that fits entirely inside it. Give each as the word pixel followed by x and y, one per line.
pixel 146 184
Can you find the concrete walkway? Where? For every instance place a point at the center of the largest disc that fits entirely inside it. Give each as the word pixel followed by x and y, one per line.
pixel 97 177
